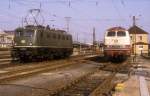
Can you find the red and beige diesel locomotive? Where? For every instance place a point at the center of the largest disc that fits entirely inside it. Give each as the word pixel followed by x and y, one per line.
pixel 117 43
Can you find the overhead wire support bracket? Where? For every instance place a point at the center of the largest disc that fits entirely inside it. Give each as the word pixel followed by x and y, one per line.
pixel 34 13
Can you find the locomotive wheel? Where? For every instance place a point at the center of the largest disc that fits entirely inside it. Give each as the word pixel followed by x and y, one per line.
pixel 23 59
pixel 51 57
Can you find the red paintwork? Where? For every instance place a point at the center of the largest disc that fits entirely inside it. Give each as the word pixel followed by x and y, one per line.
pixel 113 53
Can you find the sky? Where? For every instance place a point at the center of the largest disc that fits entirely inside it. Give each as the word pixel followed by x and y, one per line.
pixel 84 15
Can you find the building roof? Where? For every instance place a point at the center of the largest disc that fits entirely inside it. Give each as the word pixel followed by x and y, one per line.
pixel 10 32
pixel 2 32
pixel 116 29
pixel 135 29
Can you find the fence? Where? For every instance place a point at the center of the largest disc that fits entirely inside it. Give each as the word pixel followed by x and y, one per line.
pixel 5 55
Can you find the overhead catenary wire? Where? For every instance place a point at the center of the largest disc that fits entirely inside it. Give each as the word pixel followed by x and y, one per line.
pixel 122 2
pixel 74 9
pixel 85 18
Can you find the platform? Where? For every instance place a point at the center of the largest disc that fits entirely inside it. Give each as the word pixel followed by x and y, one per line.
pixel 137 84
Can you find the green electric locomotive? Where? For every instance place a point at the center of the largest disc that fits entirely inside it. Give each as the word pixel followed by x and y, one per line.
pixel 39 42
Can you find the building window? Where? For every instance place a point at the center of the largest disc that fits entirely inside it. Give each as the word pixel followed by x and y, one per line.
pixel 140 37
pixel 131 37
pixel 141 46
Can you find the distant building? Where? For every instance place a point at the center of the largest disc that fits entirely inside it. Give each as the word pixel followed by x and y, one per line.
pixel 80 48
pixel 101 46
pixel 6 38
pixel 139 40
pixel 97 47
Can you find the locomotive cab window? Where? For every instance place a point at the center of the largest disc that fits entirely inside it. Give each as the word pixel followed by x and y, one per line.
pixel 28 34
pixel 67 38
pixel 121 33
pixel 25 33
pixel 111 33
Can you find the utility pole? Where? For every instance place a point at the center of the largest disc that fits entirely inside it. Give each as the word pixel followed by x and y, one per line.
pixel 68 23
pixel 40 6
pixel 94 40
pixel 135 32
pixel 9 5
pixel 69 3
pixel 22 22
pixel 93 36
pixel 77 37
pixel 134 24
pixel 134 21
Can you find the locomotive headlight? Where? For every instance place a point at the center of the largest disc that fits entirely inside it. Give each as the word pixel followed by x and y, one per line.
pixel 23 41
pixel 30 44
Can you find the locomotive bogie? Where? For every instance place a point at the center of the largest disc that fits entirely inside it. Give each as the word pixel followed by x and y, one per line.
pixel 28 54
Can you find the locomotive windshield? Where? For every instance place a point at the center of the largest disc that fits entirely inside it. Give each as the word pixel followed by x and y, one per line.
pixel 121 33
pixel 28 34
pixel 25 33
pixel 111 33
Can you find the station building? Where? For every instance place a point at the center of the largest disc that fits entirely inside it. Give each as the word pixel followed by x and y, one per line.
pixel 139 40
pixel 6 39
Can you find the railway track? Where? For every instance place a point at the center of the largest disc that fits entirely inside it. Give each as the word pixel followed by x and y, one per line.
pixel 95 83
pixel 84 87
pixel 5 58
pixel 5 53
pixel 7 61
pixel 17 72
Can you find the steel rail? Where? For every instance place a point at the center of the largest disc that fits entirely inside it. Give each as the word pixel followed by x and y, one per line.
pixel 105 88
pixel 89 86
pixel 27 71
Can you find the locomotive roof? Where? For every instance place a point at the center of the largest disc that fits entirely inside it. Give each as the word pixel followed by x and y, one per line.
pixel 116 29
pixel 32 27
